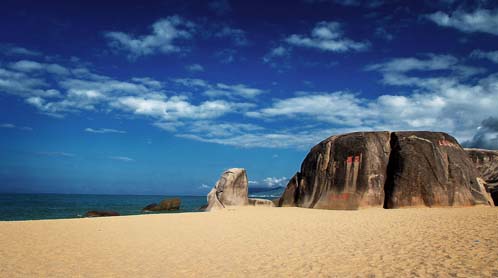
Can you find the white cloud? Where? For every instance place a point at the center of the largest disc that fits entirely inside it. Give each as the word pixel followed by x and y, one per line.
pixel 239 90
pixel 60 154
pixel 103 130
pixel 327 36
pixel 122 158
pixel 337 107
pixel 32 66
pixel 13 126
pixel 480 20
pixel 13 50
pixel 165 34
pixel 275 181
pixel 491 55
pixel 204 186
pixel 220 89
pixel 194 68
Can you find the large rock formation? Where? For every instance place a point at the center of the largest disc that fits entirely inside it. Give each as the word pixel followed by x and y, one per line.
pixel 232 190
pixel 486 162
pixel 385 169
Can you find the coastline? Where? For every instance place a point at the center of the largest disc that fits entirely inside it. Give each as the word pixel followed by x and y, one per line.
pixel 258 241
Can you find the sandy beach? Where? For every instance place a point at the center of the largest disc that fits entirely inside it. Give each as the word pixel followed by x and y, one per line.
pixel 258 242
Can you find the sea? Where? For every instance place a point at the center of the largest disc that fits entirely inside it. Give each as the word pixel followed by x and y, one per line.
pixel 58 206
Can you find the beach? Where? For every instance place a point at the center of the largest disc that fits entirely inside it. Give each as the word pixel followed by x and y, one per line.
pixel 258 242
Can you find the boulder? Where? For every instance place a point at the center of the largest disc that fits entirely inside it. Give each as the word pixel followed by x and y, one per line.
pixel 230 190
pixel 486 162
pixel 385 169
pixel 260 202
pixel 166 204
pixel 342 172
pixel 170 204
pixel 100 213
pixel 430 169
pixel 151 207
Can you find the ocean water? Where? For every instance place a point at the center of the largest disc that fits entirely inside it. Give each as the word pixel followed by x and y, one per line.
pixel 57 206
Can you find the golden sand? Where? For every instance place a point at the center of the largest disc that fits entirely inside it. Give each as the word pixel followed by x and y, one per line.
pixel 258 242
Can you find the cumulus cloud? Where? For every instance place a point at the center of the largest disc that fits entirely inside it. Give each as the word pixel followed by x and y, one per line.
pixel 486 136
pixel 327 36
pixel 103 130
pixel 32 66
pixel 480 20
pixel 165 34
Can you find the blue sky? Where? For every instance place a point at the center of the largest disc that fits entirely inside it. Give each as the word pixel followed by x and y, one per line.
pixel 160 98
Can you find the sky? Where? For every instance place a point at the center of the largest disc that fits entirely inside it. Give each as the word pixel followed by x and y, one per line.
pixel 160 97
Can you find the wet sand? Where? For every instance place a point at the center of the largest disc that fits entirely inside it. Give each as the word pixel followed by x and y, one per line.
pixel 258 242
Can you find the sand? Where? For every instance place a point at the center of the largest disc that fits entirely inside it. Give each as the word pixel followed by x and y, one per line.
pixel 258 242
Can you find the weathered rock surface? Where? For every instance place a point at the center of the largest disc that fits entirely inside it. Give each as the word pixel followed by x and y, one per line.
pixel 486 162
pixel 430 169
pixel 230 190
pixel 385 169
pixel 166 204
pixel 100 213
pixel 342 172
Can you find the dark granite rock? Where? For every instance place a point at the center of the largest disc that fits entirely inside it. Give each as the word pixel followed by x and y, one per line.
pixel 383 169
pixel 166 204
pixel 101 213
pixel 170 204
pixel 430 169
pixel 342 172
pixel 151 207
pixel 486 162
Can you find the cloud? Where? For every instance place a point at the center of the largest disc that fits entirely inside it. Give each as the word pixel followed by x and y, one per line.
pixel 220 7
pixel 220 89
pixel 13 126
pixel 327 36
pixel 103 130
pixel 12 50
pixel 492 55
pixel 194 68
pixel 32 66
pixel 480 20
pixel 276 57
pixel 275 181
pixel 165 34
pixel 337 107
pixel 486 136
pixel 59 154
pixel 204 186
pixel 238 36
pixel 122 158
pixel 238 90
